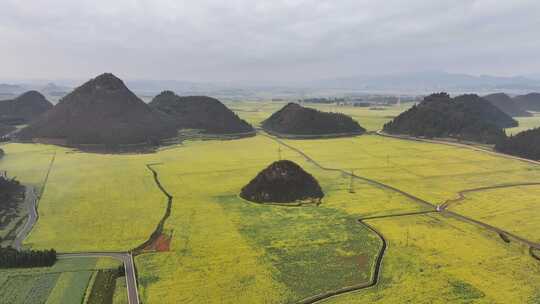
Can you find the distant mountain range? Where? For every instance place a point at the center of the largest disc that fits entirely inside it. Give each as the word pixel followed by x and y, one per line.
pixel 419 83
pixel 433 81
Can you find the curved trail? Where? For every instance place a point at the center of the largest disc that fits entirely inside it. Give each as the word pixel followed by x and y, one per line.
pixel 159 228
pixel 30 198
pixel 31 201
pixel 375 277
pixel 461 194
pixel 398 214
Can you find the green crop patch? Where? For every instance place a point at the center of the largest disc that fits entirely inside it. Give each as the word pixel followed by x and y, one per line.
pixel 27 289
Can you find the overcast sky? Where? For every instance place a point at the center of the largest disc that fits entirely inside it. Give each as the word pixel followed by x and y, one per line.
pixel 266 40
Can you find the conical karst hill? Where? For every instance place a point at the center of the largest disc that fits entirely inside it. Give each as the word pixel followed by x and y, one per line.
pixel 102 111
pixel 282 182
pixel 200 112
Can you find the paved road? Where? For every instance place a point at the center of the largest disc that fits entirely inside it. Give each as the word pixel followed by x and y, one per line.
pixel 30 200
pixel 126 258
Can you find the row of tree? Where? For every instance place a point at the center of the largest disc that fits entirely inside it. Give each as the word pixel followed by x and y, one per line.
pixel 525 144
pixel 12 258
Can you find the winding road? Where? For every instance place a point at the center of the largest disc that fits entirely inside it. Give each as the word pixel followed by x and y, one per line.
pixel 30 200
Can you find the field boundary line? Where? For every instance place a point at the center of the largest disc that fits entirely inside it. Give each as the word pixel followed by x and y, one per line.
pixel 159 228
pixel 462 194
pixel 312 136
pixel 533 254
pixel 374 278
pixel 33 215
pixel 397 215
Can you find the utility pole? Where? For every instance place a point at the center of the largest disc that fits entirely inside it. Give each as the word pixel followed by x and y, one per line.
pixel 407 237
pixel 279 152
pixel 351 183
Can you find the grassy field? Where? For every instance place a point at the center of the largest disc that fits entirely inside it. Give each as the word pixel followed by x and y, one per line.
pixel 65 282
pixel 120 292
pixel 29 163
pixel 371 119
pixel 91 201
pixel 433 259
pixel 525 123
pixel 432 172
pixel 515 209
pixel 227 250
pixel 16 162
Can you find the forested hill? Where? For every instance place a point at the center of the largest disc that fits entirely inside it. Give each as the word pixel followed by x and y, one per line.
pixel 529 102
pixel 466 117
pixel 525 144
pixel 293 119
pixel 200 112
pixel 507 105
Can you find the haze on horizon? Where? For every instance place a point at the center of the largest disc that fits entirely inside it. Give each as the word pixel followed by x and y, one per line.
pixel 274 41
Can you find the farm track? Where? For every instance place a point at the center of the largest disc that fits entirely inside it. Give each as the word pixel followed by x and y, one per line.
pixel 532 245
pixel 31 201
pixel 397 215
pixel 462 194
pixel 159 228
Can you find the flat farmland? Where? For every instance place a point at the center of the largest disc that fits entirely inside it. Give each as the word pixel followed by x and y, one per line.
pixel 97 202
pixel 372 119
pixel 223 249
pixel 65 282
pixel 433 172
pixel 227 250
pixel 436 259
pixel 525 123
pixel 514 209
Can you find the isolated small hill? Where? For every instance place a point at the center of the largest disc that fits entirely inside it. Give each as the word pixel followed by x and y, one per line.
pixel 507 105
pixel 101 111
pixel 467 117
pixel 293 119
pixel 529 102
pixel 282 182
pixel 525 144
pixel 23 108
pixel 200 112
